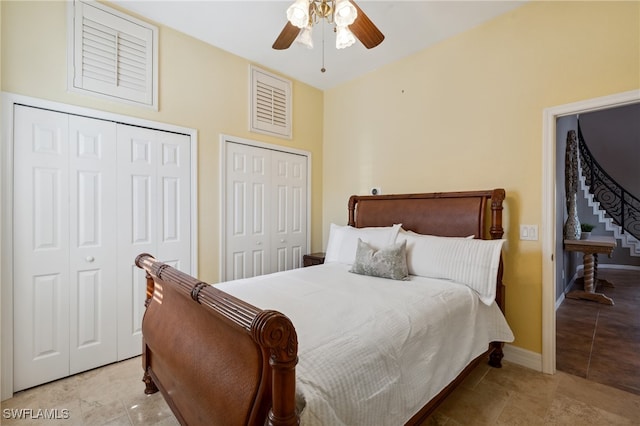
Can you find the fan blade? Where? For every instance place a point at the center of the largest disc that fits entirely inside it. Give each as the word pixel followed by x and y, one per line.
pixel 365 30
pixel 286 37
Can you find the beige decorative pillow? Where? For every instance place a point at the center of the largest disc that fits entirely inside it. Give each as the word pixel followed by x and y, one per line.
pixel 388 262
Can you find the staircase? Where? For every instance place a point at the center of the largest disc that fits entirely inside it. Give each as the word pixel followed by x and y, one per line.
pixel 615 207
pixel 626 240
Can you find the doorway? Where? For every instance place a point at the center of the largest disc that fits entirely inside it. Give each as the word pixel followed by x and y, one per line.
pixel 549 206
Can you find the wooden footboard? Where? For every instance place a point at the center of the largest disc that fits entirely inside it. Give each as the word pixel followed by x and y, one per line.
pixel 216 359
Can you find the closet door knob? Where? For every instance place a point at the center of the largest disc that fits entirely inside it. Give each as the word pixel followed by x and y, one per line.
pixel 282 241
pixel 89 258
pixel 259 243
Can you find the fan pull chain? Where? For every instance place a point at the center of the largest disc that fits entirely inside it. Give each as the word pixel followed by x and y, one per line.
pixel 323 69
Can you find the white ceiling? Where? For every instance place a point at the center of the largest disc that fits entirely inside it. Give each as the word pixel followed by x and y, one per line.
pixel 249 28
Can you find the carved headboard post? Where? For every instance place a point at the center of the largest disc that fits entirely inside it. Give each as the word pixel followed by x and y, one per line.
pixel 352 210
pixel 497 197
pixel 497 231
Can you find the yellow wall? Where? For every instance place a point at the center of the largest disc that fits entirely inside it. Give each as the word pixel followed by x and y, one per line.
pixel 201 87
pixel 467 114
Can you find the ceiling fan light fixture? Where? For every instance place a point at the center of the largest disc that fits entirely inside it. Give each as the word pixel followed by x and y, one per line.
pixel 344 38
pixel 345 13
pixel 323 9
pixel 349 21
pixel 304 38
pixel 298 13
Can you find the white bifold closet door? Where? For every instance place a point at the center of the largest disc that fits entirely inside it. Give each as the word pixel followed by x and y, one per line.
pixel 266 210
pixel 82 212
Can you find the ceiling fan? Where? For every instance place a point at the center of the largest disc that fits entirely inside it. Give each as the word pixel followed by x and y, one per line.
pixel 350 23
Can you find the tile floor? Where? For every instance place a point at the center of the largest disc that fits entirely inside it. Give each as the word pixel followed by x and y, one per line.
pixel 111 395
pixel 513 395
pixel 602 342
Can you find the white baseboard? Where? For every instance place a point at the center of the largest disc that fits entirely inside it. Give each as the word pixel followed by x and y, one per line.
pixel 610 266
pixel 613 266
pixel 561 298
pixel 523 357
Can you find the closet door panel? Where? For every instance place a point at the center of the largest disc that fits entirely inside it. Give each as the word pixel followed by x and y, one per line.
pixel 174 203
pixel 289 212
pixel 137 222
pixel 41 247
pixel 92 253
pixel 247 199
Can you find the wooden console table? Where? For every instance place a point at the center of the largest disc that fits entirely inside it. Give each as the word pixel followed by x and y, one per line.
pixel 591 248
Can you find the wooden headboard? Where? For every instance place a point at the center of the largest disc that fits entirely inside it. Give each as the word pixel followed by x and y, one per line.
pixel 447 214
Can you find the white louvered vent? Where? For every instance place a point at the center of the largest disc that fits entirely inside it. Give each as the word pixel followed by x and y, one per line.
pixel 114 55
pixel 270 103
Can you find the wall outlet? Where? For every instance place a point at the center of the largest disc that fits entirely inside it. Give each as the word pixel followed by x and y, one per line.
pixel 529 232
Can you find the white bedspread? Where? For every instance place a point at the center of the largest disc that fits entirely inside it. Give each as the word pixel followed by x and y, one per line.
pixel 373 351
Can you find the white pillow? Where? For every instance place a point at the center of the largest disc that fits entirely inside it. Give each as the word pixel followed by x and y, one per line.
pixel 405 231
pixel 343 241
pixel 467 261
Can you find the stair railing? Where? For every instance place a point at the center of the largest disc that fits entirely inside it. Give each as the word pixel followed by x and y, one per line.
pixel 620 204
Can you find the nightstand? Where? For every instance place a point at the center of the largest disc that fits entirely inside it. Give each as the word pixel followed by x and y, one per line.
pixel 313 259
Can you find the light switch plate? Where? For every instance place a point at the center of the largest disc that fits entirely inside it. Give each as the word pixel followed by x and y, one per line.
pixel 529 232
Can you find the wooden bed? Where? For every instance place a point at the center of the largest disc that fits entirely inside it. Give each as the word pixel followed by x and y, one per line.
pixel 221 361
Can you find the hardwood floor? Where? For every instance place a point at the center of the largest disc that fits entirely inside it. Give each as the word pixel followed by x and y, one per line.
pixel 599 342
